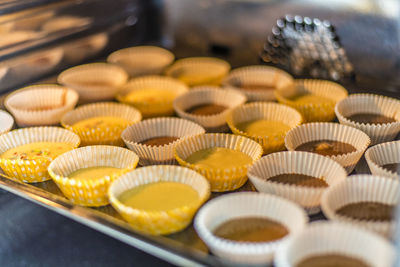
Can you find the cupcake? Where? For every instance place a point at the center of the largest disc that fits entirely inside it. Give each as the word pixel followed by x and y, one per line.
pixel 85 48
pixel 142 60
pixel 384 159
pixel 43 104
pixel 341 143
pixel 366 201
pixel 159 200
pixel 153 140
pixel 95 81
pixel 61 23
pixel 248 228
pixel 258 83
pixel 265 123
pixel 26 153
pixel 6 122
pixel 301 177
pixel 15 37
pixel 378 116
pixel 196 71
pixel 327 244
pixel 101 123
pixel 314 99
pixel 208 106
pixel 84 174
pixel 222 158
pixel 152 95
pixel 32 22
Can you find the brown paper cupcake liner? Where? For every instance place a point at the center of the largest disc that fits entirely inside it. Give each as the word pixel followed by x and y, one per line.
pixel 299 163
pixel 382 154
pixel 90 192
pixel 163 154
pixel 330 131
pixel 369 103
pixel 264 111
pixel 259 75
pixel 208 95
pixel 6 122
pixel 362 188
pixel 101 135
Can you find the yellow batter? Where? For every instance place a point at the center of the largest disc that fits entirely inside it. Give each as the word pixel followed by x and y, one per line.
pixel 93 173
pixel 37 150
pixel 263 127
pixel 311 99
pixel 219 158
pixel 194 76
pixel 150 95
pixel 160 196
pixel 102 122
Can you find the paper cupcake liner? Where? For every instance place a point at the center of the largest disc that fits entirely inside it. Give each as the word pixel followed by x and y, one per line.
pixel 330 131
pixel 379 155
pixel 162 222
pixel 247 204
pixel 157 127
pixel 213 69
pixel 208 95
pixel 322 238
pixel 80 77
pixel 313 112
pixel 220 179
pixel 142 60
pixel 6 122
pixel 100 135
pixel 263 75
pixel 64 23
pixel 90 192
pixel 77 51
pixel 35 170
pixel 43 104
pixel 152 109
pixel 370 103
pixel 362 188
pixel 264 111
pixel 296 162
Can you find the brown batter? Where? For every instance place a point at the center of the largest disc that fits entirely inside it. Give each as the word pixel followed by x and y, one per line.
pixel 331 260
pixel 371 118
pixel 206 109
pixel 298 179
pixel 327 147
pixel 159 141
pixel 251 229
pixel 256 87
pixel 373 211
pixel 393 167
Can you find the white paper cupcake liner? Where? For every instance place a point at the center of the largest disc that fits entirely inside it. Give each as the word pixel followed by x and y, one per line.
pixel 101 135
pixel 322 238
pixel 247 204
pixel 80 77
pixel 35 170
pixel 369 103
pixel 212 70
pixel 224 179
pixel 41 104
pixel 90 192
pixel 330 131
pixel 157 127
pixel 358 188
pixel 6 122
pixel 261 75
pixel 264 111
pixel 208 95
pixel 163 222
pixel 379 155
pixel 77 51
pixel 142 60
pixel 296 162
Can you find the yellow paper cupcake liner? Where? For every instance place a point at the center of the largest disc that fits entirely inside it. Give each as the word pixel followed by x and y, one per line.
pixel 154 108
pixel 163 222
pixel 220 179
pixel 35 170
pixel 101 135
pixel 313 112
pixel 90 192
pixel 265 111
